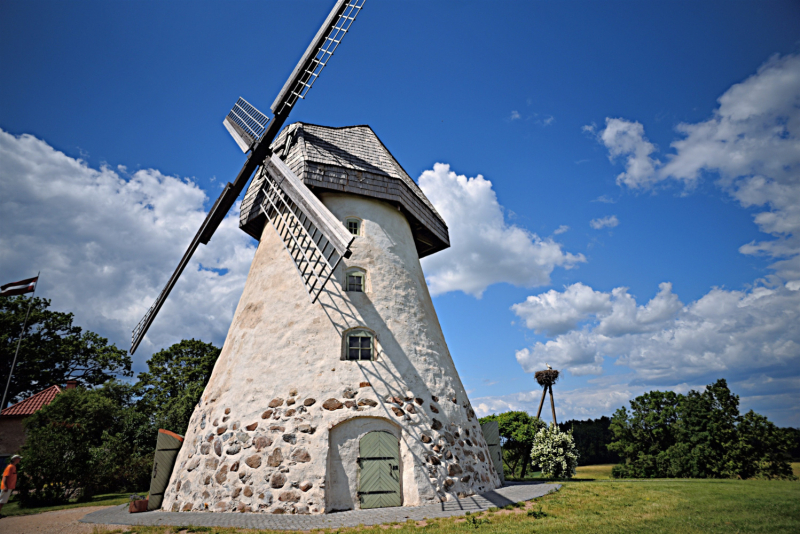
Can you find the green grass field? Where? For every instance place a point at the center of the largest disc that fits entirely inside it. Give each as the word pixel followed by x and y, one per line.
pixel 593 502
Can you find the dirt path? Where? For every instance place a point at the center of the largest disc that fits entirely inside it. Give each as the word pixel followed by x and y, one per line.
pixel 57 522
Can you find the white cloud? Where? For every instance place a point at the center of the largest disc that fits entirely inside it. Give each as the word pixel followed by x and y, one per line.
pixel 484 249
pixel 751 143
pixel 724 333
pixel 106 243
pixel 554 313
pixel 561 229
pixel 515 115
pixel 605 199
pixel 626 139
pixel 610 221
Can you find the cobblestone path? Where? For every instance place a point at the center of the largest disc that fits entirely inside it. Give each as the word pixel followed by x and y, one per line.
pixel 118 515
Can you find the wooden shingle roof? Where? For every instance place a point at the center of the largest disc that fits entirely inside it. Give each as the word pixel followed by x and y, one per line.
pixel 33 403
pixel 350 159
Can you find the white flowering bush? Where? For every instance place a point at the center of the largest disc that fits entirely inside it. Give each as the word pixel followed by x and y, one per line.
pixel 555 452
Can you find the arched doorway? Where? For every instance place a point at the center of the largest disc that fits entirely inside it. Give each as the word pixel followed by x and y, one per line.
pixel 379 470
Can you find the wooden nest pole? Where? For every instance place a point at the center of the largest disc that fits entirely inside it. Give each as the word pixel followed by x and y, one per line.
pixel 546 379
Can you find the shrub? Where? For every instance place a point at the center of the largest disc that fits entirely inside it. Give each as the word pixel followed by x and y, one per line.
pixel 555 452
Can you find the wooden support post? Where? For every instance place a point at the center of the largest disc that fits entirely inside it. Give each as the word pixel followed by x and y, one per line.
pixel 552 405
pixel 541 403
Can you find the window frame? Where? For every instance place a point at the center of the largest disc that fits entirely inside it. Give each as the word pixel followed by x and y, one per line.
pixel 356 220
pixel 362 273
pixel 359 332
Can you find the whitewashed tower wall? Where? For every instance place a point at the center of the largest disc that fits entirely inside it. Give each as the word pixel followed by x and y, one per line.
pixel 278 426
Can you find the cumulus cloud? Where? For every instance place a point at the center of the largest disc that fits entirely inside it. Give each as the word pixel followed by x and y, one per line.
pixel 484 249
pixel 724 333
pixel 106 243
pixel 554 313
pixel 561 229
pixel 515 115
pixel 751 143
pixel 626 139
pixel 610 221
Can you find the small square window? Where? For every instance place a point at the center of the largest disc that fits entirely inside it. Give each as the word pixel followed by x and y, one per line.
pixel 359 346
pixel 354 226
pixel 355 282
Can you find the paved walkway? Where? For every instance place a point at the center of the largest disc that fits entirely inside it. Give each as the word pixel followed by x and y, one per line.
pixel 118 515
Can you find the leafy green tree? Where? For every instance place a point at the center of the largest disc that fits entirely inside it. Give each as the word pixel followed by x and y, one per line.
pixel 175 381
pixel 698 435
pixel 763 449
pixel 124 459
pixel 53 350
pixel 706 434
pixel 643 435
pixel 83 442
pixel 57 455
pixel 517 431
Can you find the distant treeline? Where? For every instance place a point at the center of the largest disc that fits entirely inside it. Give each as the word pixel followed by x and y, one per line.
pixel 665 435
pixel 592 437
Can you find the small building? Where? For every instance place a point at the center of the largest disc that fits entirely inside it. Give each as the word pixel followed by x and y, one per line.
pixel 12 432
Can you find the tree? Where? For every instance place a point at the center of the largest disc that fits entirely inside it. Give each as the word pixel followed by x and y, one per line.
pixel 53 350
pixel 57 462
pixel 555 452
pixel 644 435
pixel 517 430
pixel 175 381
pixel 763 449
pixel 592 437
pixel 697 435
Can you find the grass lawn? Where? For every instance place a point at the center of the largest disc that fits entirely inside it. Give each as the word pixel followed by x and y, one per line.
pixel 611 506
pixel 110 499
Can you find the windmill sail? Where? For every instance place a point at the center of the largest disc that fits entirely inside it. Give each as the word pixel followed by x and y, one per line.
pixel 245 124
pixel 258 135
pixel 310 233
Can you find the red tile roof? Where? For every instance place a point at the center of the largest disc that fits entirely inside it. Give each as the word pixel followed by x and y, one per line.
pixel 33 403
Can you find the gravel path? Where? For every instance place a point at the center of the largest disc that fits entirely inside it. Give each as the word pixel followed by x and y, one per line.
pixel 118 515
pixel 57 522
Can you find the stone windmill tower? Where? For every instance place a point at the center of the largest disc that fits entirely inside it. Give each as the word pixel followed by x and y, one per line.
pixel 335 389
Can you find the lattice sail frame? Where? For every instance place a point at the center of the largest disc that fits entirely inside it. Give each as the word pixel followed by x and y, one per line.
pixel 312 236
pixel 245 124
pixel 255 137
pixel 321 55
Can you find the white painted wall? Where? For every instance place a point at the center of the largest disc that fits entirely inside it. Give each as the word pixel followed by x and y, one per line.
pixel 282 348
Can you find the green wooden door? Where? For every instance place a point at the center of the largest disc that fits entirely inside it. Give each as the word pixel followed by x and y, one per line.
pixel 379 471
pixel 491 433
pixel 168 446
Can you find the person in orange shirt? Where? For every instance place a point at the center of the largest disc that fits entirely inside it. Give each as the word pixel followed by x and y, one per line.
pixel 9 481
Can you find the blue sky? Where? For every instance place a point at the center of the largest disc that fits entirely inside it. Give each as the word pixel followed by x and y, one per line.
pixel 518 92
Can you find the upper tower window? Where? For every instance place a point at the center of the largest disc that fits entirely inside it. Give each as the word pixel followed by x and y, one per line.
pixel 353 225
pixel 356 280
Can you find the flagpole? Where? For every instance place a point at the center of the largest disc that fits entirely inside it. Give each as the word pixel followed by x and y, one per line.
pixel 19 342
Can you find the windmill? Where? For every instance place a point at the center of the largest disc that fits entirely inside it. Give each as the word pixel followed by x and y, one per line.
pixel 337 392
pixel 318 242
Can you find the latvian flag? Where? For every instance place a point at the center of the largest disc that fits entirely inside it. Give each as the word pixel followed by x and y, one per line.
pixel 18 288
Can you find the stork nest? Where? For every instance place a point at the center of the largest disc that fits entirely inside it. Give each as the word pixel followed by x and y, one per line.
pixel 546 378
